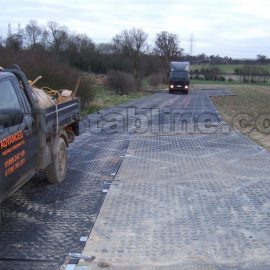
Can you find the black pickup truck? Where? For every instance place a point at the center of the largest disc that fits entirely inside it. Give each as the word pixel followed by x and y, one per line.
pixel 32 138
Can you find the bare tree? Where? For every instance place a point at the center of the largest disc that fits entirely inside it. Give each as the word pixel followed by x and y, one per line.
pixel 14 41
pixel 79 51
pixel 33 33
pixel 117 43
pixel 57 37
pixel 105 48
pixel 85 43
pixel 131 41
pixel 261 58
pixel 1 42
pixel 132 44
pixel 168 46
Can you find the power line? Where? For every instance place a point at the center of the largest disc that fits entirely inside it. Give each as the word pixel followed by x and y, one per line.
pixel 19 28
pixel 9 30
pixel 191 44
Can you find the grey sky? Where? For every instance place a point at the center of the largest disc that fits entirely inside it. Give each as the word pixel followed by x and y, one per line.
pixel 237 28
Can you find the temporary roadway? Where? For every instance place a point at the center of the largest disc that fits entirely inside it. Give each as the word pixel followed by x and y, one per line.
pixel 182 190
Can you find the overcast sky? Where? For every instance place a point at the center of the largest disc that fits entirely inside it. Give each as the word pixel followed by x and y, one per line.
pixel 236 28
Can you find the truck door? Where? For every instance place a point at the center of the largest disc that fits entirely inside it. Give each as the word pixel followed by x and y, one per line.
pixel 18 140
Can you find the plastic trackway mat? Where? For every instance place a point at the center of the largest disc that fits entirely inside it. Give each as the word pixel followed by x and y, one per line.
pixel 194 201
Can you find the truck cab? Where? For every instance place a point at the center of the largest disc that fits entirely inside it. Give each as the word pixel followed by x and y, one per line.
pixel 31 138
pixel 179 77
pixel 17 136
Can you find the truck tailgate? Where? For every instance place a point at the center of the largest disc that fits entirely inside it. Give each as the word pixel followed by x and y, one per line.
pixel 56 117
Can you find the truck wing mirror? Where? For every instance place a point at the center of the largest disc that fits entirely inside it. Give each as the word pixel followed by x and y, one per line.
pixel 10 117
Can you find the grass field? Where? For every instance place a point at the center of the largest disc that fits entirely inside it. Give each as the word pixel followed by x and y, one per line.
pixel 234 82
pixel 204 82
pixel 105 99
pixel 248 111
pixel 225 68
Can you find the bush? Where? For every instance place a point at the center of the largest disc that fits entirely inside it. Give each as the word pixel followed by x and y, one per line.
pixel 155 79
pixel 86 92
pixel 222 78
pixel 55 74
pixel 121 82
pixel 230 80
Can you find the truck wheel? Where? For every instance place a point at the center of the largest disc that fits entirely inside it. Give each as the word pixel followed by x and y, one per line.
pixel 56 171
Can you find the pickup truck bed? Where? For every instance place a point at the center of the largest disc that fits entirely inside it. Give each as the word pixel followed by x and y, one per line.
pixel 59 116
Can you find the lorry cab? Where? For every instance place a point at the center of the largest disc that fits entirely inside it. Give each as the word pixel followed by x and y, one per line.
pixel 179 77
pixel 17 136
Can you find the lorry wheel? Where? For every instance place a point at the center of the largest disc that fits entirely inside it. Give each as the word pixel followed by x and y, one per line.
pixel 56 171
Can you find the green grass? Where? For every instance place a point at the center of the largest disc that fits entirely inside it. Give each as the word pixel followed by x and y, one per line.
pixel 215 82
pixel 205 82
pixel 225 68
pixel 248 99
pixel 106 99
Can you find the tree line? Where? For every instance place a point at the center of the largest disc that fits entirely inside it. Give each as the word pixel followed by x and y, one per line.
pixel 50 49
pixel 243 73
pixel 127 51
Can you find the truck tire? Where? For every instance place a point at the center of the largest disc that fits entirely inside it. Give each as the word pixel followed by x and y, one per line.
pixel 56 171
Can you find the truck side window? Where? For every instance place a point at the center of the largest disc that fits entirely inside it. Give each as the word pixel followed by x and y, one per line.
pixel 9 99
